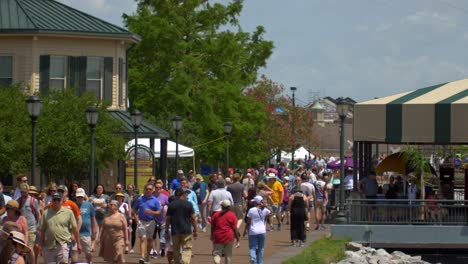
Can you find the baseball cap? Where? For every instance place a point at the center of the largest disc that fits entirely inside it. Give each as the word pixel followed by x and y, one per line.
pixel 56 195
pixel 62 188
pixel 249 174
pixel 225 203
pixel 24 187
pixel 80 192
pixel 258 199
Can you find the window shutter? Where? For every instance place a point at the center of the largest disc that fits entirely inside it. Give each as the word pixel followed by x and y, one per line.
pixel 108 71
pixel 72 73
pixel 80 79
pixel 44 74
pixel 121 81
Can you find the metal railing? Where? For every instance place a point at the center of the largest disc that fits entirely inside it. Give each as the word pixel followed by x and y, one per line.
pixel 407 212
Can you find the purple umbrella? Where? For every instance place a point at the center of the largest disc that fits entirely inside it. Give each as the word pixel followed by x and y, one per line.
pixel 337 163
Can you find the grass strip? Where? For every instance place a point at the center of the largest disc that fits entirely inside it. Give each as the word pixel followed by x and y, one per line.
pixel 321 251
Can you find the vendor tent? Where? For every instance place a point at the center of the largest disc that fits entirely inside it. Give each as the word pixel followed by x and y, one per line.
pixel 184 151
pixel 431 115
pixel 300 153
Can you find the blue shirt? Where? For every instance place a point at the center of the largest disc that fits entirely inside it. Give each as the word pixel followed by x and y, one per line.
pixel 192 198
pixel 144 203
pixel 87 212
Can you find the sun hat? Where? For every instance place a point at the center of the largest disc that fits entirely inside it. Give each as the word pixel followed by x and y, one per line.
pixel 199 177
pixel 225 203
pixel 119 195
pixel 13 204
pixel 258 199
pixel 80 192
pixel 33 190
pixel 18 237
pixel 180 172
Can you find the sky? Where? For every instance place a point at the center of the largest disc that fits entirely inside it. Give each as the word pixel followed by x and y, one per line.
pixel 360 49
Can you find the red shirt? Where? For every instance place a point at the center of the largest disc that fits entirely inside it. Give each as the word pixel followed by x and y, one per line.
pixel 165 192
pixel 223 227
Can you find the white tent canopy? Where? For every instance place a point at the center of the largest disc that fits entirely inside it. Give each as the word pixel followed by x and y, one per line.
pixel 184 152
pixel 300 153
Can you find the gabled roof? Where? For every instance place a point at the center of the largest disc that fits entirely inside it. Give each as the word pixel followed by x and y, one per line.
pixel 52 17
pixel 146 129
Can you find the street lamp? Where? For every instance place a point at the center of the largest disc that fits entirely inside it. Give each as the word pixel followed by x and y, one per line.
pixel 177 125
pixel 293 121
pixel 342 108
pixel 33 104
pixel 136 122
pixel 92 116
pixel 227 133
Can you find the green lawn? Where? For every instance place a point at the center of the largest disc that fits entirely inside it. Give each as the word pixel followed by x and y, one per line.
pixel 322 251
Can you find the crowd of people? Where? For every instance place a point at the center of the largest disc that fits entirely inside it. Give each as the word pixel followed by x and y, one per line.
pixel 61 222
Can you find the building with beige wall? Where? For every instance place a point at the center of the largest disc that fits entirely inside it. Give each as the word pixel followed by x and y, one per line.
pixel 46 46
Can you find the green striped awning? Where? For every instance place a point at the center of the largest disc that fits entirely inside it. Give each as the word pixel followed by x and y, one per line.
pixel 431 115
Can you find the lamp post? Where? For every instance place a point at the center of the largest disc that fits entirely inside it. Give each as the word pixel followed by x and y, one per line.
pixel 92 116
pixel 136 122
pixel 342 108
pixel 293 121
pixel 227 133
pixel 33 104
pixel 177 125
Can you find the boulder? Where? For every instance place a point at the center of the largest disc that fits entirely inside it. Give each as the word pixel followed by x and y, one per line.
pixel 353 246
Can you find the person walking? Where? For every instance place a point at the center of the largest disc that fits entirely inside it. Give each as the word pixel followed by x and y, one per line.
pixel 201 190
pixel 113 235
pixel 132 196
pixel 14 215
pixel 30 209
pixel 223 232
pixel 297 206
pixel 180 215
pixel 56 227
pixel 216 197
pixel 88 229
pixel 146 209
pixel 257 230
pixel 238 194
pixel 276 198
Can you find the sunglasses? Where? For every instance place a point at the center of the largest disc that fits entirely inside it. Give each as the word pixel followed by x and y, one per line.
pixel 52 190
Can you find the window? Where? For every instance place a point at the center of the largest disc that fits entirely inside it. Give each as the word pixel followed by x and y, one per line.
pixel 6 70
pixel 57 72
pixel 94 75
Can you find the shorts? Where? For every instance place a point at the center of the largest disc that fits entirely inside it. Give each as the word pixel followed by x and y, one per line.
pixel 319 205
pixel 237 210
pixel 59 254
pixel 275 209
pixel 311 204
pixel 284 207
pixel 85 245
pixel 371 197
pixel 146 228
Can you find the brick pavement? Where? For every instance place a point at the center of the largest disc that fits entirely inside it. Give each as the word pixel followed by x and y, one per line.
pixel 277 249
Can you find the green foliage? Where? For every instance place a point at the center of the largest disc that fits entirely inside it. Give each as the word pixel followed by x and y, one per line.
pixel 63 135
pixel 322 251
pixel 15 132
pixel 416 160
pixel 194 61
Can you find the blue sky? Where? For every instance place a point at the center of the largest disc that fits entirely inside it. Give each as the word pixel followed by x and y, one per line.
pixel 361 48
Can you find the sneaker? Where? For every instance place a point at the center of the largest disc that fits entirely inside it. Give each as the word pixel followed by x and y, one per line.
pixel 279 227
pixel 131 251
pixel 141 261
pixel 271 228
pixel 154 255
pixel 307 226
pixel 321 227
pixel 204 229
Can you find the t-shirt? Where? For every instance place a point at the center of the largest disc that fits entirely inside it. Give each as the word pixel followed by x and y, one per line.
pixel 248 183
pixel 175 184
pixel 257 220
pixel 57 226
pixel 181 212
pixel 27 211
pixel 144 203
pixel 308 189
pixel 224 225
pixel 87 212
pixel 163 201
pixel 369 186
pixel 217 196
pixel 348 181
pixel 277 188
pixel 320 188
pixel 237 190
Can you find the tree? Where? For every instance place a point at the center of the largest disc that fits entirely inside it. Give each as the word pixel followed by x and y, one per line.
pixel 194 61
pixel 63 135
pixel 281 115
pixel 415 160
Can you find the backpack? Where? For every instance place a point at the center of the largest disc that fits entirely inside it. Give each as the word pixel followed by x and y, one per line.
pixel 31 204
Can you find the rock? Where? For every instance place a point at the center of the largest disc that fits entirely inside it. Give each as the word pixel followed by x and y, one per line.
pixel 353 246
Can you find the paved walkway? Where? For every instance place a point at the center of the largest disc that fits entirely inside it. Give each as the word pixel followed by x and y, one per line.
pixel 277 249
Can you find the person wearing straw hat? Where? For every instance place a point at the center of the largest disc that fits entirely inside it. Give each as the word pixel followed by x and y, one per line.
pixel 14 215
pixel 20 248
pixel 6 246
